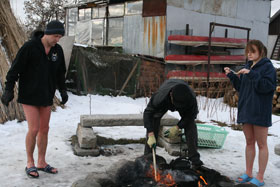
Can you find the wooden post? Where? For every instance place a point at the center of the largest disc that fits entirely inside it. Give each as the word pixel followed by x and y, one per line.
pixel 128 78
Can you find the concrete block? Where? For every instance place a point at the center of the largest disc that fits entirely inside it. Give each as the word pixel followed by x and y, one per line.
pixel 86 137
pixel 85 152
pixel 172 149
pixel 107 120
pixel 277 149
pixel 168 120
pixel 169 140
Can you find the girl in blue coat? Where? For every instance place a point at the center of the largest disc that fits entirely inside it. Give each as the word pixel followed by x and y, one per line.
pixel 255 83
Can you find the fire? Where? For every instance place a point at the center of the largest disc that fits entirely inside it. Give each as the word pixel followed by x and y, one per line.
pixel 203 180
pixel 199 184
pixel 167 180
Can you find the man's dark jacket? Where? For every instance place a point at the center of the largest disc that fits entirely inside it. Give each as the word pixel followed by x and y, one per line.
pixel 39 74
pixel 160 103
pixel 256 90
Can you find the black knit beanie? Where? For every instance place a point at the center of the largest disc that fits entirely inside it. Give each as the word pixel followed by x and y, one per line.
pixel 55 27
pixel 182 97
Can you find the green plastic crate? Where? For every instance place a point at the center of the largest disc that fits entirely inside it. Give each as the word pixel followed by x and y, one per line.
pixel 211 136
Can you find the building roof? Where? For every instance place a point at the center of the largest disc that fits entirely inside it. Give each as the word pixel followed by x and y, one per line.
pixel 275 16
pixel 93 3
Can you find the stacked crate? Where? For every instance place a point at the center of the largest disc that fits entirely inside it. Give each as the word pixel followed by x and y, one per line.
pixel 276 96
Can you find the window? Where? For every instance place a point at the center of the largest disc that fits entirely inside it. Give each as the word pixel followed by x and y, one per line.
pixel 71 21
pixel 98 35
pixel 115 36
pixel 84 14
pixel 87 13
pixel 94 13
pixel 133 7
pixel 116 10
pixel 102 12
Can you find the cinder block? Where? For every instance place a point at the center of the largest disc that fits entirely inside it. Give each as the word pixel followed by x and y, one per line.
pixel 85 152
pixel 86 137
pixel 172 149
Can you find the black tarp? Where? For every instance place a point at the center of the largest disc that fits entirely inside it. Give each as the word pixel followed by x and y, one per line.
pixel 101 71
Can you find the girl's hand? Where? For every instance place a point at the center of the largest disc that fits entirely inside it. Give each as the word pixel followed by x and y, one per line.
pixel 227 70
pixel 243 71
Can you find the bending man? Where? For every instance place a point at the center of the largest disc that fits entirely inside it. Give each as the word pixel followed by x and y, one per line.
pixel 173 95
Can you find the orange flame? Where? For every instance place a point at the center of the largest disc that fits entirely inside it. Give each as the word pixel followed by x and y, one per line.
pixel 167 180
pixel 203 180
pixel 200 185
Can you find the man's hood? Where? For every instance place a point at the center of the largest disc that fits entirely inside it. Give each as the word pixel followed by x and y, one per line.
pixel 37 34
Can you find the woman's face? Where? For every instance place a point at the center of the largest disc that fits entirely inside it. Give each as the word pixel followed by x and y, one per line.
pixel 254 56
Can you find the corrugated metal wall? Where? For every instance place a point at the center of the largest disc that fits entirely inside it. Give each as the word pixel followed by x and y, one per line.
pixel 144 35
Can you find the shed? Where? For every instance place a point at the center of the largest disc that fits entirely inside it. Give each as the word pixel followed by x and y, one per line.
pixel 143 26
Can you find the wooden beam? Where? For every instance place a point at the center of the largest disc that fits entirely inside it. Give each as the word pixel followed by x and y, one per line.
pixel 129 76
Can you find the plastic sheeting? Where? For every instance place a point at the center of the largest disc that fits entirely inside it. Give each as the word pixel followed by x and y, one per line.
pixel 92 32
pixel 102 71
pixel 83 32
pixel 98 34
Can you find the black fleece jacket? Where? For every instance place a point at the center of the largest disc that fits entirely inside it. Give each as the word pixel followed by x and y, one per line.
pixel 160 103
pixel 38 74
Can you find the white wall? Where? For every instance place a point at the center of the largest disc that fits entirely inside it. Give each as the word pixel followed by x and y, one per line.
pixel 199 13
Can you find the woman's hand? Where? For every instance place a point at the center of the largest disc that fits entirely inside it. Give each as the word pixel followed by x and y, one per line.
pixel 227 70
pixel 243 71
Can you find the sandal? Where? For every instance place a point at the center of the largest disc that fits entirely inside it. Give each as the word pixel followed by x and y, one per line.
pixel 256 182
pixel 244 178
pixel 30 170
pixel 48 169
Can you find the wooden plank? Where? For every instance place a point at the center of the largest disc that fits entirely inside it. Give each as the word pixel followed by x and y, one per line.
pixel 129 76
pixel 197 76
pixel 196 41
pixel 201 79
pixel 203 59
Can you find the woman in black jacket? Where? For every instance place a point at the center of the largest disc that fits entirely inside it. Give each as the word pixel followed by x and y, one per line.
pixel 255 83
pixel 39 67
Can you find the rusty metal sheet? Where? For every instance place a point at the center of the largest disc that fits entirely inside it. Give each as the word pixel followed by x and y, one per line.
pixel 145 35
pixel 154 8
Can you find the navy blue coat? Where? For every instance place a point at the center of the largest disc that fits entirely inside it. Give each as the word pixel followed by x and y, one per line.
pixel 256 91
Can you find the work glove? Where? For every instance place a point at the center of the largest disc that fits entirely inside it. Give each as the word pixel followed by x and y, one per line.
pixel 173 132
pixel 152 141
pixel 7 97
pixel 64 97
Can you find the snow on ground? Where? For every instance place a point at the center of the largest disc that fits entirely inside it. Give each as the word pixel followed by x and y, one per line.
pixel 229 160
pixel 276 63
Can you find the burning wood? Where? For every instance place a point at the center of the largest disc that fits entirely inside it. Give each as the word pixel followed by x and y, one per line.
pixel 178 173
pixel 161 177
